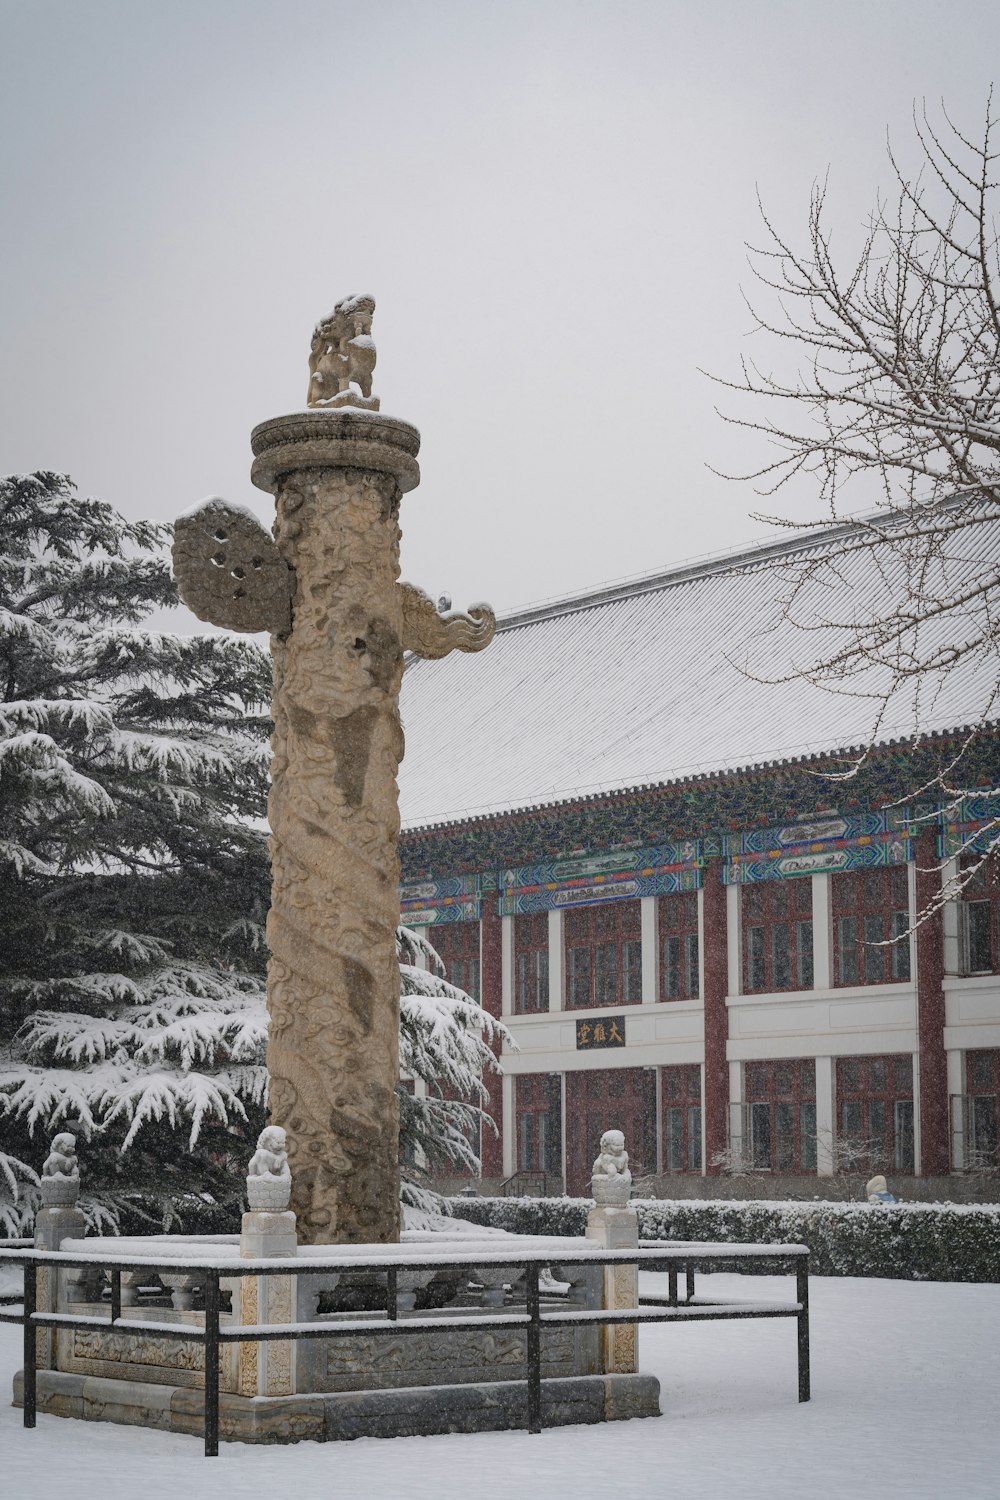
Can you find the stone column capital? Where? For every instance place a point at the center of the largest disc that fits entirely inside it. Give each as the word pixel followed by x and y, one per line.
pixel 335 438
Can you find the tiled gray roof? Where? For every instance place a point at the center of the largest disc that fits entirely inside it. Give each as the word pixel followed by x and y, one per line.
pixel 638 684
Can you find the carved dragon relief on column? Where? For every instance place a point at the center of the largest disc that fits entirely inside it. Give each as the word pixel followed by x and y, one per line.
pixel 326 588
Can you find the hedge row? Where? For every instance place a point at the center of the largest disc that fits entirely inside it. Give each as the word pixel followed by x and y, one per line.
pixel 905 1241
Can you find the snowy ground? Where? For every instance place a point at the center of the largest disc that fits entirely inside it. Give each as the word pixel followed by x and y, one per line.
pixel 904 1404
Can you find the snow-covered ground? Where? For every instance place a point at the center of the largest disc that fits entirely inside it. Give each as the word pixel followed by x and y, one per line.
pixel 904 1404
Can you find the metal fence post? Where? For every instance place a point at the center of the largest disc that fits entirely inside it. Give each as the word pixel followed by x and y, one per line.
pixel 212 1364
pixel 30 1345
pixel 391 1294
pixel 533 1302
pixel 802 1298
pixel 116 1294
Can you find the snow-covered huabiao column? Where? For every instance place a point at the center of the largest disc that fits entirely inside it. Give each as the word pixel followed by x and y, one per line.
pixel 327 589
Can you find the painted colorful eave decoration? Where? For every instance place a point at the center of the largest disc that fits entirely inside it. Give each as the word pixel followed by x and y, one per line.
pixel 452 898
pixel 970 826
pixel 613 875
pixel 860 841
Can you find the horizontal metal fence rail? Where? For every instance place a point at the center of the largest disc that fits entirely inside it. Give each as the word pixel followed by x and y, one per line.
pixel 650 1309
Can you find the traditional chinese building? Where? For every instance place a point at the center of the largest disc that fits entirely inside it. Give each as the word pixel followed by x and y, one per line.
pixel 621 839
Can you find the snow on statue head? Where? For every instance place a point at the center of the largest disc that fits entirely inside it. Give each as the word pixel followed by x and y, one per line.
pixel 60 1181
pixel 612 1181
pixel 342 356
pixel 269 1180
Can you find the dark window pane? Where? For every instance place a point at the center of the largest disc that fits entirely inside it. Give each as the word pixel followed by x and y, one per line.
pixel 692 978
pixel 782 1079
pixel 694 1138
pixel 807 1078
pixel 807 1137
pixel 902 1074
pixel 780 955
pixel 784 1153
pixel 903 1111
pixel 755 954
pixel 874 956
pixel 672 967
pixel 756 1080
pixel 876 1125
pixel 579 976
pixel 847 949
pixel 632 985
pixel 877 1075
pixel 804 955
pixel 980 1072
pixel 675 1140
pixel 607 979
pixel 760 1134
pixel 979 954
pixel 779 898
pixel 850 1077
pixel 901 946
pixel 899 889
pixel 542 979
pixel 526 1142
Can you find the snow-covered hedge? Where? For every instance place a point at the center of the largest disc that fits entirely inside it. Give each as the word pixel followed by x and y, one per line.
pixel 905 1241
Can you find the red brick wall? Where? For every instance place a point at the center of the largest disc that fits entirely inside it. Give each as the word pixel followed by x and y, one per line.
pixel 934 1145
pixel 716 982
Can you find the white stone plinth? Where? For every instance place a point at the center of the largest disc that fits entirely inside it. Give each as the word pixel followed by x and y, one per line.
pixel 267 1369
pixel 617 1228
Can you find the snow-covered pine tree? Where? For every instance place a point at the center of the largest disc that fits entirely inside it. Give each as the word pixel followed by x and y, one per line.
pixel 134 883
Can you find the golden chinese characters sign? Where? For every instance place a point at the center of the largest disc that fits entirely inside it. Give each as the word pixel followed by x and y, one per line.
pixel 609 1031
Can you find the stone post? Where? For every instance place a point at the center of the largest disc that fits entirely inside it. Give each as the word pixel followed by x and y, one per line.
pixel 268 1229
pixel 326 588
pixel 614 1225
pixel 57 1219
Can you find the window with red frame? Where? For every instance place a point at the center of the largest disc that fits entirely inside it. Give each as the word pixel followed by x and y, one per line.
pixel 680 1089
pixel 871 916
pixel 777 935
pixel 875 1114
pixel 603 955
pixel 458 945
pixel 538 1110
pixel 982 1085
pixel 531 962
pixel 779 1115
pixel 680 968
pixel 980 909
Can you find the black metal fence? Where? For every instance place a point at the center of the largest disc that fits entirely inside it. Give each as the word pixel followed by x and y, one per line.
pixel 670 1307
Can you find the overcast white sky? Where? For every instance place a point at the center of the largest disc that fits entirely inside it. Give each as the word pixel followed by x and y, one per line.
pixel 548 200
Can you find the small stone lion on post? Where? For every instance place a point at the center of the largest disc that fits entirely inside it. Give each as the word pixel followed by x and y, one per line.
pixel 269 1178
pixel 611 1180
pixel 60 1180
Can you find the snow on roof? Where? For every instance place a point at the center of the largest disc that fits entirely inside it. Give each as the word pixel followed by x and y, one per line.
pixel 638 683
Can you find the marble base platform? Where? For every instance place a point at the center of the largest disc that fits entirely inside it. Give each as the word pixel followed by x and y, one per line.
pixel 415 1412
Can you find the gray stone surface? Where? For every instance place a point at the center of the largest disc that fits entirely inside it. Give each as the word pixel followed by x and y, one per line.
pixel 481 1407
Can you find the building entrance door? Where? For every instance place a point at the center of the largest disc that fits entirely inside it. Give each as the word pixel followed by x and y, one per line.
pixel 609 1099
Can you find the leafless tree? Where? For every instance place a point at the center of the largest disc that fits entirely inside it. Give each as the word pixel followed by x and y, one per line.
pixel 894 407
